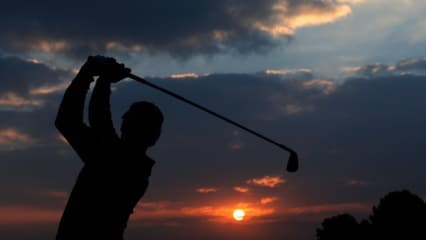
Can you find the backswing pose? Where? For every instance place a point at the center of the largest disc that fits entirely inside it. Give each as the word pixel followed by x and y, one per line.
pixel 116 168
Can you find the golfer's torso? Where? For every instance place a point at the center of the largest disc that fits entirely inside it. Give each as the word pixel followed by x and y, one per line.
pixel 104 196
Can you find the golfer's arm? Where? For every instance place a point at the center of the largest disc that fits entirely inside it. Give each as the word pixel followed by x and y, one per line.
pixel 70 115
pixel 100 118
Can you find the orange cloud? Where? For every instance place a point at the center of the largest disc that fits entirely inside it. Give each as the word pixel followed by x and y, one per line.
pixel 154 205
pixel 267 200
pixel 50 46
pixel 155 210
pixel 121 47
pixel 33 60
pixel 313 16
pixel 184 75
pixel 216 213
pixel 218 35
pixel 12 99
pixel 49 89
pixel 206 190
pixel 328 208
pixel 241 189
pixel 287 71
pixel 19 215
pixel 267 181
pixel 10 136
pixel 351 69
pixel 327 86
pixel 286 17
pixel 28 215
pixel 224 213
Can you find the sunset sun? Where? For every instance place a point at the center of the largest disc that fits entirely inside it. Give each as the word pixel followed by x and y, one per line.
pixel 239 214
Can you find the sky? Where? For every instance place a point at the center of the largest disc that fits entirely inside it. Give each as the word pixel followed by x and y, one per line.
pixel 340 81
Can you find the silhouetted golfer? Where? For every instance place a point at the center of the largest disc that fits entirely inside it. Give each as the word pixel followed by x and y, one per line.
pixel 116 169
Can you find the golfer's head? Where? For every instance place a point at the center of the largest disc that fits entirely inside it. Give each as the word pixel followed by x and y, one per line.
pixel 142 124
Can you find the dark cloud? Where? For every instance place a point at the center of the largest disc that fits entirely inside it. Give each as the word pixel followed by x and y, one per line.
pixel 183 28
pixel 237 95
pixel 369 129
pixel 26 83
pixel 411 65
pixel 372 69
pixel 21 76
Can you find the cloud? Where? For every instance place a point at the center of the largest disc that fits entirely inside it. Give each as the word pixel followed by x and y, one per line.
pixel 120 47
pixel 267 181
pixel 326 86
pixel 359 183
pixel 411 64
pixel 287 16
pixel 184 75
pixel 224 214
pixel 21 76
pixel 268 200
pixel 328 208
pixel 141 26
pixel 56 194
pixel 297 74
pixel 23 215
pixel 11 135
pixel 351 1
pixel 377 69
pixel 221 213
pixel 10 100
pixel 271 95
pixel 290 15
pixel 288 71
pixel 206 190
pixel 50 156
pixel 45 90
pixel 156 208
pixel 241 189
pixel 371 69
pixel 11 139
pixel 350 129
pixel 25 83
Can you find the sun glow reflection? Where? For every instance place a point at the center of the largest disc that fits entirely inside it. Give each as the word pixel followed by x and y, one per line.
pixel 239 214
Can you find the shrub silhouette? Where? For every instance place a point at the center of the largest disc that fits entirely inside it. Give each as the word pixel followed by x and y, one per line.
pixel 399 215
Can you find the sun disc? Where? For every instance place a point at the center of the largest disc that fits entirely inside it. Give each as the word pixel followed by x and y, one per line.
pixel 239 214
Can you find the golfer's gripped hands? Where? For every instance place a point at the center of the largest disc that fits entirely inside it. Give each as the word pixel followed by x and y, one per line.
pixel 106 68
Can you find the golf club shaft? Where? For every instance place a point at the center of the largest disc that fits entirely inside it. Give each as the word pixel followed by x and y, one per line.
pixel 141 80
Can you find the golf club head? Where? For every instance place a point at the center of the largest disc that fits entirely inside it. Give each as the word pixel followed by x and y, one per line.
pixel 293 162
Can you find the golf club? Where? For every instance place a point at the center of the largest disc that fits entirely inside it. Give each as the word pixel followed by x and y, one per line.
pixel 293 163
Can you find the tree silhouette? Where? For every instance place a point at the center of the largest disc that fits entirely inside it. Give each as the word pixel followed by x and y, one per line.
pixel 399 215
pixel 339 227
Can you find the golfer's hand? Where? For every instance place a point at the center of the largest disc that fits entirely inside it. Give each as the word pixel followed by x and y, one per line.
pixel 106 68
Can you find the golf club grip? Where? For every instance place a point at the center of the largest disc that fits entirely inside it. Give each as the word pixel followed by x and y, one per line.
pixel 141 80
